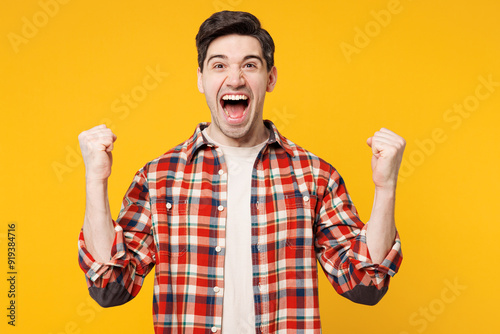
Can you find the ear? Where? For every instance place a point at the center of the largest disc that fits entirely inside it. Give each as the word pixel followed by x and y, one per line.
pixel 200 81
pixel 271 79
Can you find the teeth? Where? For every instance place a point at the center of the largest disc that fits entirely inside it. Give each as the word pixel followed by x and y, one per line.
pixel 234 97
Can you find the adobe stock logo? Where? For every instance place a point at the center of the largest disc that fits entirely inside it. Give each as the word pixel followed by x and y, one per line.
pixel 281 117
pixel 373 28
pixel 121 107
pixel 87 311
pixel 139 93
pixel 455 116
pixel 31 27
pixel 426 315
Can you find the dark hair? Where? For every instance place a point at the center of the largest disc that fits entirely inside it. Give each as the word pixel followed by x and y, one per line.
pixel 227 23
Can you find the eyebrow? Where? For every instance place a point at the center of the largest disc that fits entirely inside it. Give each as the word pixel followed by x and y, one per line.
pixel 245 58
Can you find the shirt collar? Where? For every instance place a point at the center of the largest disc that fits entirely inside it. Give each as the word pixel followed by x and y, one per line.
pixel 197 141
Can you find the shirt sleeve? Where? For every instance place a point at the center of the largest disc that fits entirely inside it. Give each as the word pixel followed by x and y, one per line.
pixel 133 253
pixel 343 252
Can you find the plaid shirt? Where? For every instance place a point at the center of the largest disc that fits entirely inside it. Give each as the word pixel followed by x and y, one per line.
pixel 173 218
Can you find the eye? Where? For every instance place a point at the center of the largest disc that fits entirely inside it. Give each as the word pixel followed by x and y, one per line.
pixel 218 66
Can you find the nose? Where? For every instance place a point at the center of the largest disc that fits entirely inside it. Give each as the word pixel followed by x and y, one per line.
pixel 235 78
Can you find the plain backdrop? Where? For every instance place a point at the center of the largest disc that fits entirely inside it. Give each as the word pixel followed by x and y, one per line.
pixel 428 70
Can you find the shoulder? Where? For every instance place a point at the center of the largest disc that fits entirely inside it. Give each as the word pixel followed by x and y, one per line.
pixel 309 160
pixel 166 161
pixel 320 176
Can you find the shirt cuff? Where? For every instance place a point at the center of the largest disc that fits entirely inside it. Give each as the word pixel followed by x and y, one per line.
pixel 94 269
pixel 361 259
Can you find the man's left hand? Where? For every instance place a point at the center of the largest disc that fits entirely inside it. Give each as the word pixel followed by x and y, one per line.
pixel 387 148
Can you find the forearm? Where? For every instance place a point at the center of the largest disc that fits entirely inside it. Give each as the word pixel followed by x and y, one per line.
pixel 98 228
pixel 381 229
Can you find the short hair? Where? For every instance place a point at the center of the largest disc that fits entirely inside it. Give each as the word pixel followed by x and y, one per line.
pixel 232 22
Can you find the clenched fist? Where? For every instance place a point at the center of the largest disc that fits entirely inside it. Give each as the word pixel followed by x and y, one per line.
pixel 96 145
pixel 387 148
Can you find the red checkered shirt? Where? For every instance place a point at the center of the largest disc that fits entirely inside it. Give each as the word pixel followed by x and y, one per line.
pixel 173 219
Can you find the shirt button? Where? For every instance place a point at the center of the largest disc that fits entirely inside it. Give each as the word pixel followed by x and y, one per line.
pixel 218 249
pixel 221 172
pixel 169 206
pixel 220 208
pixel 306 198
pixel 216 289
pixel 214 329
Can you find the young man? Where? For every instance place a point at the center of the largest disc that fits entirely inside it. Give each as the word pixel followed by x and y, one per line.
pixel 234 219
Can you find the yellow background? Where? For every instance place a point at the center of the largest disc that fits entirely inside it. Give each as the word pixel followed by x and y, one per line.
pixel 405 75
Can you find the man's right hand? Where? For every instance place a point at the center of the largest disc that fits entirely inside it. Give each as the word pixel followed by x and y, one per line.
pixel 96 145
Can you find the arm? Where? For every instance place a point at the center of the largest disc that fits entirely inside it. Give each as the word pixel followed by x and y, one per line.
pixel 387 148
pixel 115 256
pixel 360 259
pixel 342 250
pixel 96 145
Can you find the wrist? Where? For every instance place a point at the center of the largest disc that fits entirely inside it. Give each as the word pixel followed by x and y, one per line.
pixel 96 181
pixel 386 191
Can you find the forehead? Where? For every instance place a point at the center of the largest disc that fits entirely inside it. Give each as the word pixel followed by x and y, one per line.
pixel 234 47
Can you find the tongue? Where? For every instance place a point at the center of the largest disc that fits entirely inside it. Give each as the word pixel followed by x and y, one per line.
pixel 235 110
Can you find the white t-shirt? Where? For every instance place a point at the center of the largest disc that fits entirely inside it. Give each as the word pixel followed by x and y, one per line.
pixel 238 315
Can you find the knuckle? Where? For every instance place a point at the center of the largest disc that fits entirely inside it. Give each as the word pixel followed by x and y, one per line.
pixel 392 150
pixel 83 136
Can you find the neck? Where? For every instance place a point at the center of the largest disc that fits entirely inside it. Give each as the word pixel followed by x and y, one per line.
pixel 255 136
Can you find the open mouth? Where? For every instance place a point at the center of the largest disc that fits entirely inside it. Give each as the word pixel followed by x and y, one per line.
pixel 235 106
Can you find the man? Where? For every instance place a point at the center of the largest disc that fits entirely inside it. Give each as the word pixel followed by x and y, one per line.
pixel 234 219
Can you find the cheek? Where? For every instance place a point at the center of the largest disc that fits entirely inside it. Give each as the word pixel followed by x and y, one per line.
pixel 212 86
pixel 211 94
pixel 259 85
